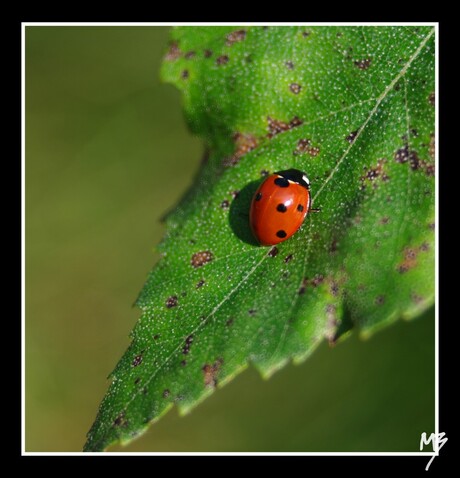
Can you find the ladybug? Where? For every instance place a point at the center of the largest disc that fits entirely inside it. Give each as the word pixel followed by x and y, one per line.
pixel 279 206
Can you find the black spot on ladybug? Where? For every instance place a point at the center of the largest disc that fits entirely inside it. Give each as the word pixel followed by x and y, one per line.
pixel 288 258
pixel 432 98
pixel 281 234
pixel 201 258
pixel 183 363
pixel 273 251
pixel 200 283
pixel 229 322
pixel 264 173
pixel 137 360
pixel 222 60
pixel 236 36
pixel 188 344
pixel 171 301
pixel 295 88
pixel 207 53
pixel 252 312
pixel 281 208
pixel 352 136
pixel 282 182
pixel 380 300
pixel 184 75
pixel 363 64
pixel 156 336
pixel 258 196
pixel 300 208
pixel 120 421
pixel 174 52
pixel 166 393
pixel 289 65
pixel 224 204
pixel 190 54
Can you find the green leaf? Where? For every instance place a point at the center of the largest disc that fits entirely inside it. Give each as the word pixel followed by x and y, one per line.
pixel 353 107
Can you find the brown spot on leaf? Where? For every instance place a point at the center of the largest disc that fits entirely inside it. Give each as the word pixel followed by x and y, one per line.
pixel 317 280
pixel 374 173
pixel 306 33
pixel 252 312
pixel 351 137
pixel 199 259
pixel 272 252
pixel 236 36
pixel 235 194
pixel 276 126
pixel 333 246
pixel 210 373
pixel 156 336
pixel 306 146
pixel 363 64
pixel 137 360
pixel 200 283
pixel 183 363
pixel 289 65
pixel 171 301
pixel 303 286
pixel 184 75
pixel 138 379
pixel 207 53
pixel 385 220
pixel 417 299
pixel 288 258
pixel 121 420
pixel 187 345
pixel 166 393
pixel 244 143
pixel 380 300
pixel 432 98
pixel 331 323
pixel 224 204
pixel 409 262
pixel 334 288
pixel 229 322
pixel 432 147
pixel 402 154
pixel 222 60
pixel 174 52
pixel 264 173
pixel 295 88
pixel 295 122
pixel 190 54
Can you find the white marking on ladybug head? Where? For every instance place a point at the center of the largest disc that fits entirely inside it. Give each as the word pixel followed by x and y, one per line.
pixel 304 177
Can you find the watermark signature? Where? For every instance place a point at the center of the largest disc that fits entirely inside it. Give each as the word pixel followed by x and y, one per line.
pixel 437 442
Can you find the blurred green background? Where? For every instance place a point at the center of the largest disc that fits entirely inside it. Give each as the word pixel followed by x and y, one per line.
pixel 107 153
